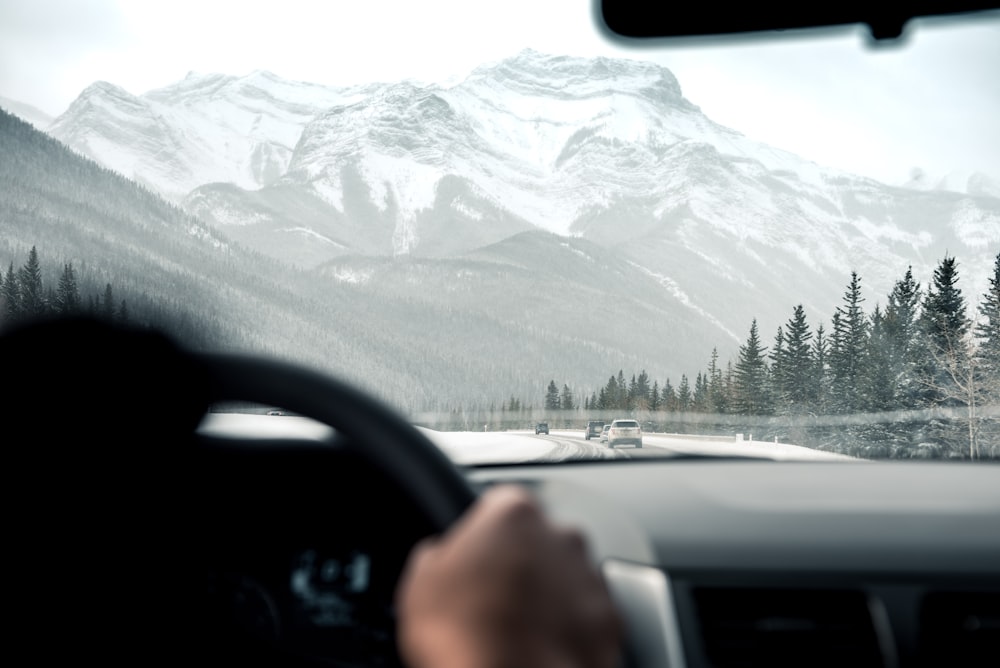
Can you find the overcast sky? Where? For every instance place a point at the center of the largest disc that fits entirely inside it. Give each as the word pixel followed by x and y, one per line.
pixel 931 103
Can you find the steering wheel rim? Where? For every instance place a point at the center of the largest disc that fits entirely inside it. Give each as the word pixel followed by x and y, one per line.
pixel 424 473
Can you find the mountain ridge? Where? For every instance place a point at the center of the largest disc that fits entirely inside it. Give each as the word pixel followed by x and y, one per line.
pixel 605 150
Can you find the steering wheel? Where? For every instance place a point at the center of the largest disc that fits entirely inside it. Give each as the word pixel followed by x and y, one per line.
pixel 421 475
pixel 113 413
pixel 420 470
pixel 136 384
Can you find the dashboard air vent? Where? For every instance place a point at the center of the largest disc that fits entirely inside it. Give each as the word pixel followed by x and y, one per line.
pixel 960 629
pixel 749 627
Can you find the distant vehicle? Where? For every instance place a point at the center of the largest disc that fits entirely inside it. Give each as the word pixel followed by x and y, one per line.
pixel 604 433
pixel 624 432
pixel 275 413
pixel 593 428
pixel 542 428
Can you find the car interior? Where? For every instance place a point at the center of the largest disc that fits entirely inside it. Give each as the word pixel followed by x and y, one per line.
pixel 296 524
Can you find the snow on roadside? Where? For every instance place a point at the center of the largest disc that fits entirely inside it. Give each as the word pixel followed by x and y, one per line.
pixel 474 447
pixel 731 447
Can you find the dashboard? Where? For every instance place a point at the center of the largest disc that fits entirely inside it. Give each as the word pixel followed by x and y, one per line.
pixel 302 546
pixel 712 563
pixel 760 563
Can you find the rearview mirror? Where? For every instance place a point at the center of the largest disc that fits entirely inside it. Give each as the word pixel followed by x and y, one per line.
pixel 658 18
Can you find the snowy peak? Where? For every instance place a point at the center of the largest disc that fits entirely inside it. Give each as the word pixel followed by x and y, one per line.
pixel 124 133
pixel 193 85
pixel 206 128
pixel 261 90
pixel 534 73
pixel 553 98
pixel 104 97
pixel 397 120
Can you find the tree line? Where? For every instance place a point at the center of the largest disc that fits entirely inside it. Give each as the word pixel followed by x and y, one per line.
pixel 917 377
pixel 26 296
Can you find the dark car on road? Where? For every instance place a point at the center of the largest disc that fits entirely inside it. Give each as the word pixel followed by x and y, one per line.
pixel 542 428
pixel 594 428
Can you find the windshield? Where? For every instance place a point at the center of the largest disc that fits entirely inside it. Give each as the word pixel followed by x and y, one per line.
pixel 497 218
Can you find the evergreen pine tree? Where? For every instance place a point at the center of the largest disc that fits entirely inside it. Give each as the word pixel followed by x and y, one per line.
pixel 750 391
pixel 777 357
pixel 821 371
pixel 988 328
pixel 642 391
pixel 602 399
pixel 880 381
pixel 621 398
pixel 11 296
pixel 988 358
pixel 699 400
pixel 944 324
pixel 32 295
pixel 716 385
pixel 799 384
pixel 684 394
pixel 566 401
pixel 904 341
pixel 68 294
pixel 949 373
pixel 944 318
pixel 729 385
pixel 847 350
pixel 612 394
pixel 552 396
pixel 669 401
pixel 655 400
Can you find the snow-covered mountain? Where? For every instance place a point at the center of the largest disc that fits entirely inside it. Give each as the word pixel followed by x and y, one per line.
pixel 205 128
pixel 547 141
pixel 608 150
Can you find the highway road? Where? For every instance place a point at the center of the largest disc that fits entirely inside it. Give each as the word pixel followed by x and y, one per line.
pixel 470 447
pixel 569 445
pixel 495 447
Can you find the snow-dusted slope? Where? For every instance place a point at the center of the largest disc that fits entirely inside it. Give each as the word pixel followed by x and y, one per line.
pixel 204 129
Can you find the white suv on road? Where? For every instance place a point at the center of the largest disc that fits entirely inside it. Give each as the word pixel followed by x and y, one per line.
pixel 625 431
